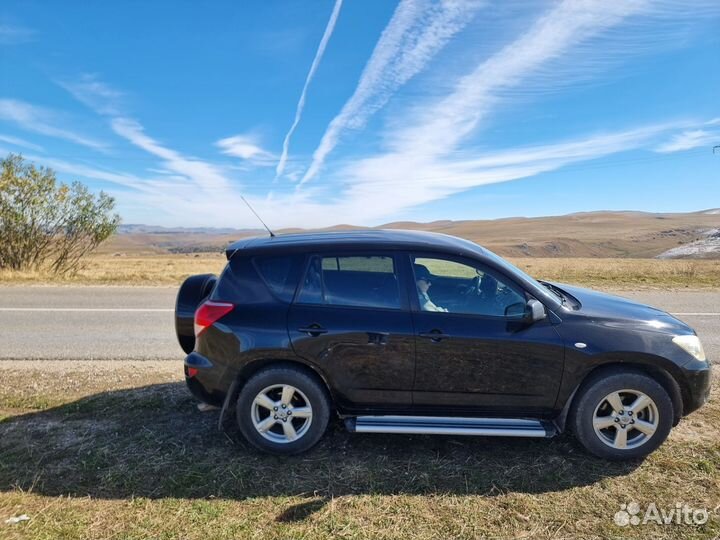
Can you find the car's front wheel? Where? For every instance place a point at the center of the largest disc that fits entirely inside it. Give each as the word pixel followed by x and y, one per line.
pixel 283 410
pixel 622 415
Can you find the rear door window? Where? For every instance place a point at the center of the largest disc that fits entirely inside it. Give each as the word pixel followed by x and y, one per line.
pixel 352 280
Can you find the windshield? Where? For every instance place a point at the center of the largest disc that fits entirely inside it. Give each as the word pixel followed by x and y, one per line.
pixel 512 269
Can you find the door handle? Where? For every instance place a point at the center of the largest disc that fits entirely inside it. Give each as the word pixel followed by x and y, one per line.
pixel 434 335
pixel 314 330
pixel 378 338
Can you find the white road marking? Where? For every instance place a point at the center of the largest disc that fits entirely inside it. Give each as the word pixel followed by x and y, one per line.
pixel 697 314
pixel 151 310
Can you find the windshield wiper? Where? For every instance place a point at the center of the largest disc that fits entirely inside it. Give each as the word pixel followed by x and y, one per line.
pixel 555 291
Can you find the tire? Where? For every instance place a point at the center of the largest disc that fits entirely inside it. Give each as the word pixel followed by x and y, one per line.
pixel 645 428
pixel 288 434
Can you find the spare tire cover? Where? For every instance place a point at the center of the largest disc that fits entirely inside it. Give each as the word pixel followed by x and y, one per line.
pixel 192 292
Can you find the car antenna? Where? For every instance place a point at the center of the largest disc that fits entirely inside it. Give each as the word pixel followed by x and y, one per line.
pixel 272 234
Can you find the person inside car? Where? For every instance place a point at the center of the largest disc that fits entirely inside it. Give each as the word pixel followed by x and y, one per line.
pixel 424 281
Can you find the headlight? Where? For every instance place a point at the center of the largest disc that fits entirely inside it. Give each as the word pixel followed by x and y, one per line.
pixel 692 345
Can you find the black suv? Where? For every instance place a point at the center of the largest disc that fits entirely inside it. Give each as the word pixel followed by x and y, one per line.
pixel 413 332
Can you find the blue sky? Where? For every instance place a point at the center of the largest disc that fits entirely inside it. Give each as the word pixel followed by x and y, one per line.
pixel 367 111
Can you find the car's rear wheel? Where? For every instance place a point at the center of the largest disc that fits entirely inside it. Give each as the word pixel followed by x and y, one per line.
pixel 283 410
pixel 622 415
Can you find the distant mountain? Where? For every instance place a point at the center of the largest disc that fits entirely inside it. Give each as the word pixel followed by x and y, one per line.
pixel 585 234
pixel 156 229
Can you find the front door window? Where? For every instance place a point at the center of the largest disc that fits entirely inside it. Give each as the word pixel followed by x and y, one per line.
pixel 444 285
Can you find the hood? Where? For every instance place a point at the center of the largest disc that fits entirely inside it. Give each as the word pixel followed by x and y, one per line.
pixel 606 308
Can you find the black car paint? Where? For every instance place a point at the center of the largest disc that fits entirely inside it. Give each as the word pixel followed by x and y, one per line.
pixel 617 330
pixel 487 363
pixel 377 361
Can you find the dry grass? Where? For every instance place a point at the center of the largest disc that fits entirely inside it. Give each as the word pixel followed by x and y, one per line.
pixel 626 273
pixel 139 270
pixel 117 450
pixel 170 270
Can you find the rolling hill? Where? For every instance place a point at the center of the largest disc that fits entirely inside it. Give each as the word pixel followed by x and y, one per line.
pixel 589 234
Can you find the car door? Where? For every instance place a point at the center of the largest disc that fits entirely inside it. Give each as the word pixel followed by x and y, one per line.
pixel 351 318
pixel 473 350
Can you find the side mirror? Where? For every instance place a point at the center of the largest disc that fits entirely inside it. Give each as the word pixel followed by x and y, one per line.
pixel 534 311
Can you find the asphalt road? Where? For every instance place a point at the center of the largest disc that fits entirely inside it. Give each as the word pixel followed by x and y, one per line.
pixel 136 323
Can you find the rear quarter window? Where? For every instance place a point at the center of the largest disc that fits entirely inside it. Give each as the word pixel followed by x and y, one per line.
pixel 280 274
pixel 259 279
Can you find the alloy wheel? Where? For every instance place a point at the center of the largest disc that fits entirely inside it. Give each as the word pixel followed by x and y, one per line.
pixel 281 413
pixel 625 419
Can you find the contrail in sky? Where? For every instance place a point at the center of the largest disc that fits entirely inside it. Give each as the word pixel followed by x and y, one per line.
pixel 301 103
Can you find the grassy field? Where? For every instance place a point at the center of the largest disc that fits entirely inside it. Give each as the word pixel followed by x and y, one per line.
pixel 118 450
pixel 170 270
pixel 126 270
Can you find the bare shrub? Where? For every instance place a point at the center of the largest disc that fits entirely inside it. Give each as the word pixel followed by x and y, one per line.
pixel 47 225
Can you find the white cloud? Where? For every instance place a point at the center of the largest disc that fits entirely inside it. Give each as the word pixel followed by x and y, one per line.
pixel 246 147
pixel 106 101
pixel 43 121
pixel 313 68
pixel 205 175
pixel 572 40
pixel 13 35
pixel 94 93
pixel 688 140
pixel 439 127
pixel 17 141
pixel 188 192
pixel 182 180
pixel 145 185
pixel 383 185
pixel 426 157
pixel 377 189
pixel 414 35
pixel 423 160
pixel 78 169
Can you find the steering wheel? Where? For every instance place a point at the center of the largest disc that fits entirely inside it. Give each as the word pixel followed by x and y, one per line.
pixel 488 297
pixel 471 289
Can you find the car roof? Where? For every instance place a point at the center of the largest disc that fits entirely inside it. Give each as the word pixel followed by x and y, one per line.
pixel 359 238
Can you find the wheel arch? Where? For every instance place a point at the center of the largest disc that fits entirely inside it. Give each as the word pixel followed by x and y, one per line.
pixel 660 374
pixel 257 365
pixel 249 369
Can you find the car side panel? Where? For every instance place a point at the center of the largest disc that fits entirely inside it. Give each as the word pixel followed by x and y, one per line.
pixel 487 364
pixel 615 341
pixel 484 364
pixel 368 355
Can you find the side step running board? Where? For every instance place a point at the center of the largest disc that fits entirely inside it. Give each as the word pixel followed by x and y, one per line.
pixel 438 425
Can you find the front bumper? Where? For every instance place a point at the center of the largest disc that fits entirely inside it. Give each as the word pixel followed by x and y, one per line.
pixel 699 377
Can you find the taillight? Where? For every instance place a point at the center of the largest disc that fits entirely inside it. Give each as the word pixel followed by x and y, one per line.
pixel 209 313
